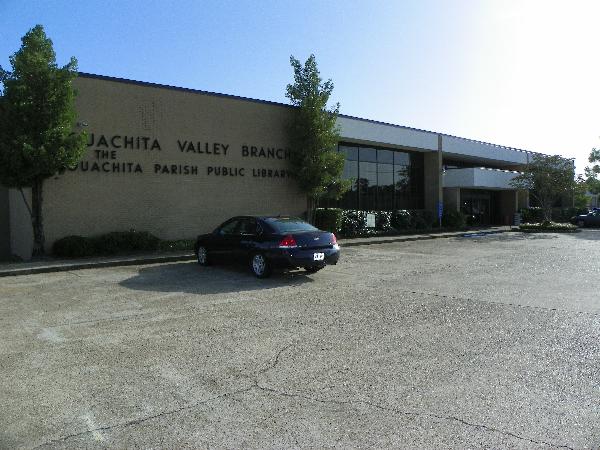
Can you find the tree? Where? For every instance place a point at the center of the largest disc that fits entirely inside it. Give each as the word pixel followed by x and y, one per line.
pixel 592 172
pixel 580 199
pixel 36 121
pixel 547 178
pixel 314 135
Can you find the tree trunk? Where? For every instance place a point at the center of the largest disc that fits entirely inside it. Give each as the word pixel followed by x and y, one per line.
pixel 37 221
pixel 311 210
pixel 547 209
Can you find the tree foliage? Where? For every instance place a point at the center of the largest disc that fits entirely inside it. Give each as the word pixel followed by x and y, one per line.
pixel 580 199
pixel 592 172
pixel 314 135
pixel 37 115
pixel 547 178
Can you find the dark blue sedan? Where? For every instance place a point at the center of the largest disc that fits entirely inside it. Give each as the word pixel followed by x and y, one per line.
pixel 591 219
pixel 268 242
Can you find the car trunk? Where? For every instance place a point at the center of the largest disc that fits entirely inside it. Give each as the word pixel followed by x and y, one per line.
pixel 313 240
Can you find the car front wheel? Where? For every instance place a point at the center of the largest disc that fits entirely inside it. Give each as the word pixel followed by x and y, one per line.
pixel 202 256
pixel 581 223
pixel 260 266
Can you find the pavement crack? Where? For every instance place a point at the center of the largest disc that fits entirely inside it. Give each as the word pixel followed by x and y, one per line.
pixel 143 419
pixel 274 363
pixel 407 413
pixel 74 274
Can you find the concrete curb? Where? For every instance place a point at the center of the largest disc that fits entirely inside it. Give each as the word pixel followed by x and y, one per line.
pixel 375 241
pixel 96 264
pixel 142 260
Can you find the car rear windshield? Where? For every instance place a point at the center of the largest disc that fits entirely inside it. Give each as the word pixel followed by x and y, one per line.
pixel 290 225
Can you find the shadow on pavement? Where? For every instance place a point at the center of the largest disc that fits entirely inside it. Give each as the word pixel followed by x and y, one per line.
pixel 589 234
pixel 191 278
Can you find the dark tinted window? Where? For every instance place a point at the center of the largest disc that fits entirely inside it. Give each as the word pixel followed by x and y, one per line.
pixel 350 152
pixel 289 225
pixel 229 227
pixel 402 159
pixel 368 154
pixel 383 179
pixel 385 156
pixel 350 198
pixel 367 185
pixel 248 226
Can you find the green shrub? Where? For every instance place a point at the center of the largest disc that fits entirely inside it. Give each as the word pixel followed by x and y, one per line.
pixel 180 245
pixel 429 218
pixel 532 215
pixel 454 219
pixel 383 220
pixel 354 223
pixel 328 219
pixel 142 240
pixel 422 219
pixel 471 220
pixel 73 247
pixel 560 215
pixel 401 219
pixel 564 214
pixel 105 244
pixel 548 226
pixel 125 241
pixel 418 223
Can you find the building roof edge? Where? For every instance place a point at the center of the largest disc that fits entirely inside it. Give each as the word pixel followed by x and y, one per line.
pixel 269 102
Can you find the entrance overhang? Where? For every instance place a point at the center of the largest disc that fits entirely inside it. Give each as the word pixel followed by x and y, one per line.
pixel 479 178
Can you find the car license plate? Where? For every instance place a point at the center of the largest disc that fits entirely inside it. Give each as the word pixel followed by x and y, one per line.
pixel 319 256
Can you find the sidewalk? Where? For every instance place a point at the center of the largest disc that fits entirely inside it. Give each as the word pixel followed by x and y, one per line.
pixel 50 264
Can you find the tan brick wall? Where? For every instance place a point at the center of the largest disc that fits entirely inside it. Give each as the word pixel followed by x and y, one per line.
pixel 170 206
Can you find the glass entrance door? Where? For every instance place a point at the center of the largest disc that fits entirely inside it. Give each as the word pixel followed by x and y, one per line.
pixel 477 207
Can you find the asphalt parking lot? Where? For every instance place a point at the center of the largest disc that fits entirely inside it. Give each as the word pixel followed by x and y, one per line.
pixel 489 341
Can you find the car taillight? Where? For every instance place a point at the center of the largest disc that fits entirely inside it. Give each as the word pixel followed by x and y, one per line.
pixel 288 242
pixel 334 242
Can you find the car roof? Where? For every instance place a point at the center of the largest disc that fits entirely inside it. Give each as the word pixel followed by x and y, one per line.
pixel 262 217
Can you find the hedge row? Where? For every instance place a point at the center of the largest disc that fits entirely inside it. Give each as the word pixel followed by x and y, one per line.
pixel 105 244
pixel 549 226
pixel 354 223
pixel 559 215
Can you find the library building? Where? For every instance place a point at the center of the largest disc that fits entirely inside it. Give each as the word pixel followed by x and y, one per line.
pixel 177 162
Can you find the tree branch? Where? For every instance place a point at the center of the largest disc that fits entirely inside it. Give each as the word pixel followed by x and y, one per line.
pixel 26 203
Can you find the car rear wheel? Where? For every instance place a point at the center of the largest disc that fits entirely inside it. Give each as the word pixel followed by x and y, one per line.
pixel 202 256
pixel 313 269
pixel 260 266
pixel 581 223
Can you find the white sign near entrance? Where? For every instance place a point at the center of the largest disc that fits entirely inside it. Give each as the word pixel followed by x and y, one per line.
pixel 370 220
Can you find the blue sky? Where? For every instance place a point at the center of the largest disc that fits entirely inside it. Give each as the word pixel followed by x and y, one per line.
pixel 517 73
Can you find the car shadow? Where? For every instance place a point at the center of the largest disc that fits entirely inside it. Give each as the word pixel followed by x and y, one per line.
pixel 191 278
